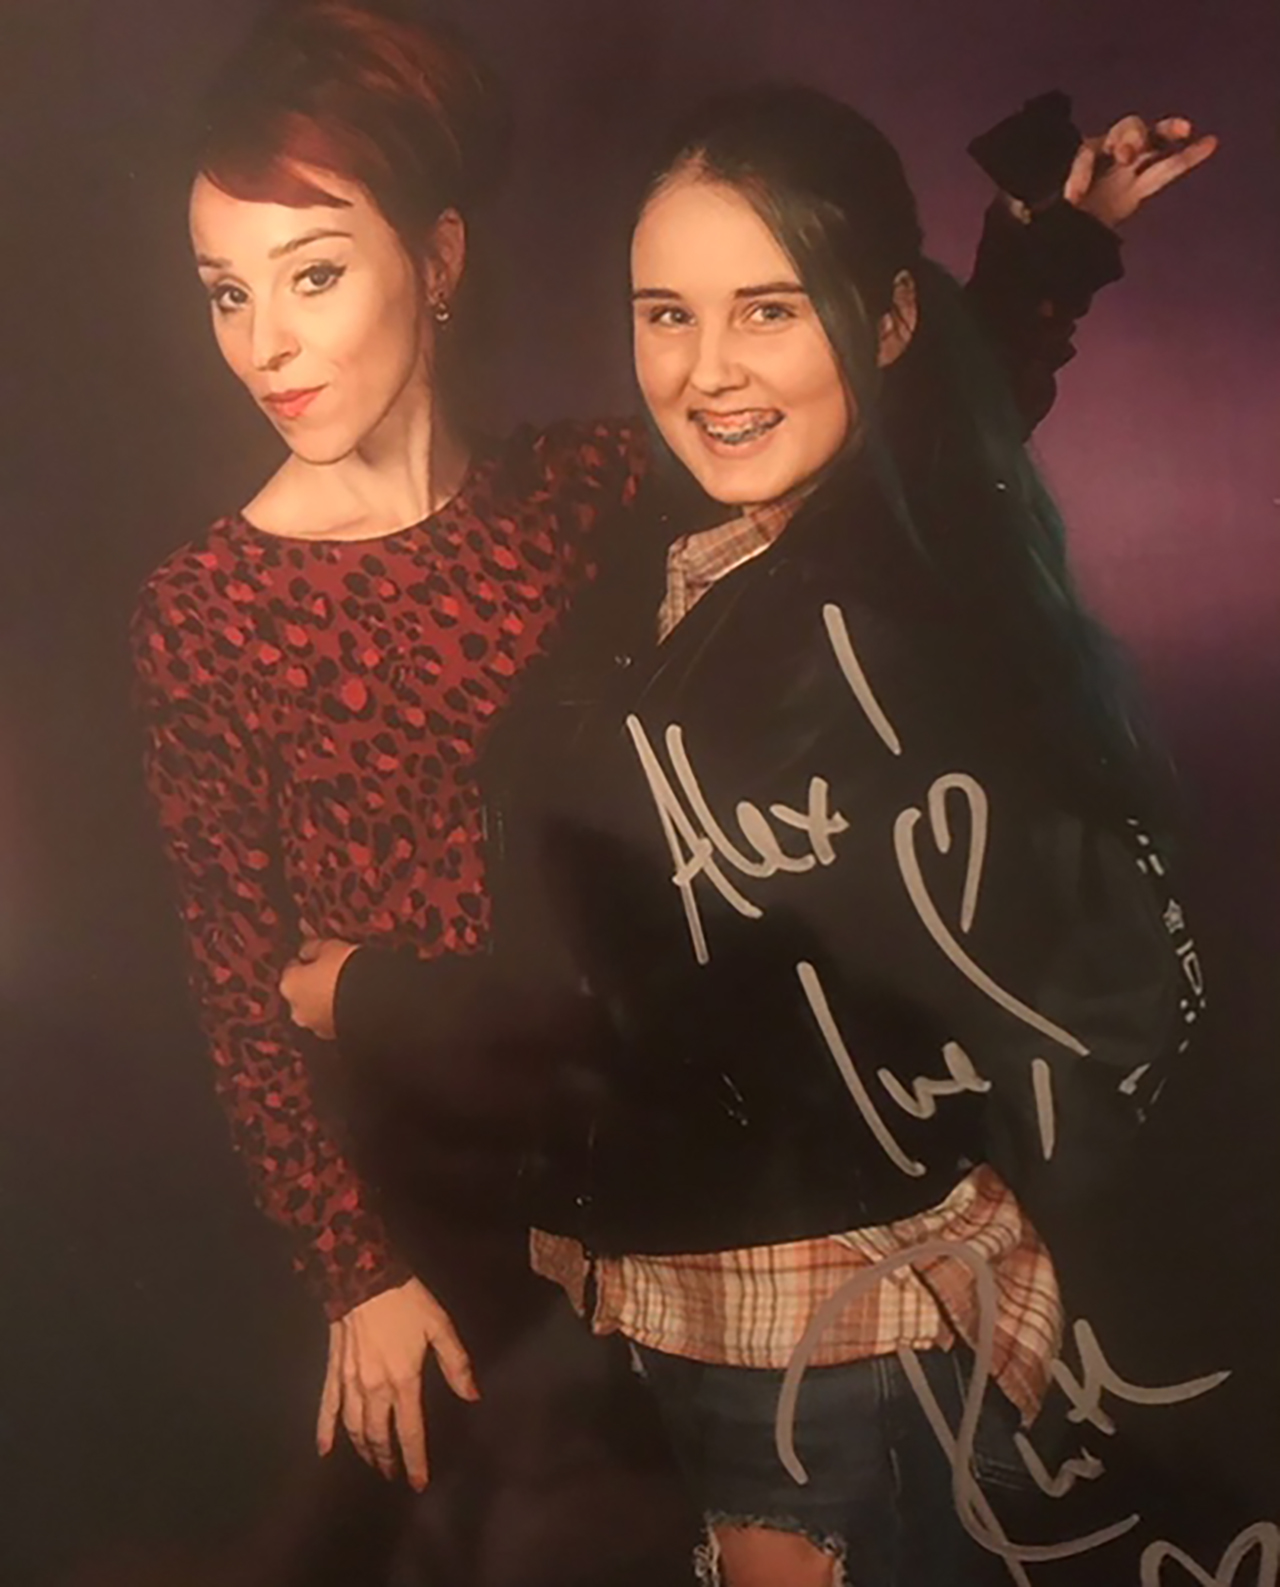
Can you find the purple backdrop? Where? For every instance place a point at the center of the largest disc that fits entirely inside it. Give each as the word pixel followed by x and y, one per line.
pixel 155 1319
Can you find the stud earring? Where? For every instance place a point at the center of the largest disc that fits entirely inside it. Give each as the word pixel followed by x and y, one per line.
pixel 441 311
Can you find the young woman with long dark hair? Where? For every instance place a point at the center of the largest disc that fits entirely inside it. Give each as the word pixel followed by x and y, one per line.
pixel 834 911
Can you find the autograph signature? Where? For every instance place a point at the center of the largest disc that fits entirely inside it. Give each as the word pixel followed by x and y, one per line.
pixel 1084 1390
pixel 701 848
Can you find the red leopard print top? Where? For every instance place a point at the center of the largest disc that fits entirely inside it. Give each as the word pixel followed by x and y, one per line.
pixel 313 712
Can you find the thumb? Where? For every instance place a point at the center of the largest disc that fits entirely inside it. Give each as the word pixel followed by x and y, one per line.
pixel 330 1399
pixel 1080 177
pixel 455 1364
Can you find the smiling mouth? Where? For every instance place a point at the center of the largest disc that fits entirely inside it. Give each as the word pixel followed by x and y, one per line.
pixel 737 429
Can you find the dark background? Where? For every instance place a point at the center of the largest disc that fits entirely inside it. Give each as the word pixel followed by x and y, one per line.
pixel 158 1365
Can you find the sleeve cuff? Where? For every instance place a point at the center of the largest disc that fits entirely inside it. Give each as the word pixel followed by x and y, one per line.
pixel 1073 254
pixel 367 1013
pixel 341 1294
pixel 1029 154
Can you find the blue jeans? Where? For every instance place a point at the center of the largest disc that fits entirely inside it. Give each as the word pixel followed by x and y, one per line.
pixel 879 1491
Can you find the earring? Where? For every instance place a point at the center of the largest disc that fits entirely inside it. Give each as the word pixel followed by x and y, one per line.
pixel 441 312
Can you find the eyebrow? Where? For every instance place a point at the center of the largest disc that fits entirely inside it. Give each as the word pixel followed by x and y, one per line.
pixel 206 261
pixel 772 289
pixel 766 289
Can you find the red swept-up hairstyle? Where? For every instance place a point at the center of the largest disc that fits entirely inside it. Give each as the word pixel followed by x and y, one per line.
pixel 366 92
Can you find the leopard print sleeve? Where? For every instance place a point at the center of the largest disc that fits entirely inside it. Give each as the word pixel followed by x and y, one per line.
pixel 210 785
pixel 588 472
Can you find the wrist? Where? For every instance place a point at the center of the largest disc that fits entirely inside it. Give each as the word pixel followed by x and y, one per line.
pixel 345 1292
pixel 1029 155
pixel 346 990
pixel 1077 254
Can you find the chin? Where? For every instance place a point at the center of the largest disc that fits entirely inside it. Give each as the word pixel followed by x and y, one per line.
pixel 320 456
pixel 317 449
pixel 734 482
pixel 742 487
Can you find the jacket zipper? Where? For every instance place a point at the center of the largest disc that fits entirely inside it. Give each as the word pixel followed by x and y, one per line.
pixel 590 1289
pixel 591 1283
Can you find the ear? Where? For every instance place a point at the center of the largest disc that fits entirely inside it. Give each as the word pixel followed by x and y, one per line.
pixel 447 255
pixel 898 324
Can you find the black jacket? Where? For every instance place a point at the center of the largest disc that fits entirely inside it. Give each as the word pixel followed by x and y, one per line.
pixel 745 1055
pixel 756 1055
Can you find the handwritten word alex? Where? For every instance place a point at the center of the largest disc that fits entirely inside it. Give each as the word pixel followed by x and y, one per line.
pixel 702 848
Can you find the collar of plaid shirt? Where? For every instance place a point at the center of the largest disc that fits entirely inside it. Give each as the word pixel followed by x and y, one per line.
pixel 696 561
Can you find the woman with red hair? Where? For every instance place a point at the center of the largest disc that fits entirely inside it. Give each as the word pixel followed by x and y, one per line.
pixel 318 669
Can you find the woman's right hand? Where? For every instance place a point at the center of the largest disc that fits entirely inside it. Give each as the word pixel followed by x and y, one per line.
pixel 374 1377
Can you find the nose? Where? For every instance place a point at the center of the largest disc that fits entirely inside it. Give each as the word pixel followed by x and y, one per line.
pixel 716 366
pixel 272 341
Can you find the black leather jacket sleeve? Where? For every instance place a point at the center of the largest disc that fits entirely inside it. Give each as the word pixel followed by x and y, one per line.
pixel 1032 283
pixel 475 1036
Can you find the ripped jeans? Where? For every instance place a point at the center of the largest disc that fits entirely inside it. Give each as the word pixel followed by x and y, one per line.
pixel 878 1499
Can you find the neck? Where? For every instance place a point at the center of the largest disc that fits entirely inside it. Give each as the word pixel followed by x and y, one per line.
pixel 779 508
pixel 407 468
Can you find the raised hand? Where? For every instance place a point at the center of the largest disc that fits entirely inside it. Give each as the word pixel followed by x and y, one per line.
pixel 1115 174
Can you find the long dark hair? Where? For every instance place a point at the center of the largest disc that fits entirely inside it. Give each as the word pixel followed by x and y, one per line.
pixel 939 426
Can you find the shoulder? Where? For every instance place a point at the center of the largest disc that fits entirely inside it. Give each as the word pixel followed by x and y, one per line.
pixel 847 554
pixel 195 564
pixel 844 627
pixel 183 599
pixel 573 453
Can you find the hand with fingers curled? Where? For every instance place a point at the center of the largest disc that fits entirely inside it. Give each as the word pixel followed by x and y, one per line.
pixel 377 1351
pixel 1114 174
pixel 309 983
pixel 374 1378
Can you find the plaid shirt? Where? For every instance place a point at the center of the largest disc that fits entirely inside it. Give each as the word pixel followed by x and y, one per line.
pixel 749 1308
pixel 695 562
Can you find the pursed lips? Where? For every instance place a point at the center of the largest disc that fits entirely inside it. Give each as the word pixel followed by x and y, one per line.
pixel 292 403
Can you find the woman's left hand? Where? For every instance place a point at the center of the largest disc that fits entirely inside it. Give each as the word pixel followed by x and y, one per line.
pixel 310 982
pixel 1115 174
